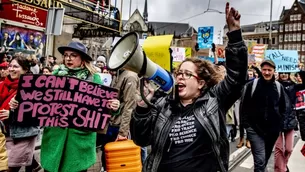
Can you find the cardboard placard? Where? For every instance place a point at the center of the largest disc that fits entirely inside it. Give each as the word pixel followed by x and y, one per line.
pixel 285 60
pixel 61 101
pixel 157 50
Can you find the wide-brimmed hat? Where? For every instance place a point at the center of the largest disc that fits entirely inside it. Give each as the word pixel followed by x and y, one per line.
pixel 77 47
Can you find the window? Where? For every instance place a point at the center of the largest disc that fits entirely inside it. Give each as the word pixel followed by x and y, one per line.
pixel 290 37
pixel 289 46
pixel 273 41
pixel 281 38
pixel 303 26
pixel 299 47
pixel 258 41
pixel 281 47
pixel 299 26
pixel 265 40
pixel 294 47
pixel 286 37
pixel 303 58
pixel 290 27
pixel 295 17
pixel 291 17
pixel 299 37
pixel 303 47
pixel 294 37
pixel 281 28
pixel 286 27
pixel 303 39
pixel 285 47
pixel 295 27
pixel 135 26
pixel 299 16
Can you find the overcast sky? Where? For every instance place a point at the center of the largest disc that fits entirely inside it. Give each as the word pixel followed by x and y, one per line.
pixel 252 11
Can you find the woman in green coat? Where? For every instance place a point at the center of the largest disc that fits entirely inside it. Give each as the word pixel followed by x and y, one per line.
pixel 67 149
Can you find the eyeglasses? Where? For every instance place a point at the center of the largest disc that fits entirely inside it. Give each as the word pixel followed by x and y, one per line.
pixel 185 75
pixel 71 56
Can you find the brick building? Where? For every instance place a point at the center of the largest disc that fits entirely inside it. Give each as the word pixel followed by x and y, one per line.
pixel 292 29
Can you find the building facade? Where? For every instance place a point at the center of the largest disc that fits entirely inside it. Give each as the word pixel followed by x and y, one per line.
pixel 259 33
pixel 292 29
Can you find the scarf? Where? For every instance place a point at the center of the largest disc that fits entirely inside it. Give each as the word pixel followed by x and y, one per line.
pixel 80 73
pixel 8 89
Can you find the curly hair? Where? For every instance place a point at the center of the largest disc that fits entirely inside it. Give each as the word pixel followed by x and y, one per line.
pixel 205 70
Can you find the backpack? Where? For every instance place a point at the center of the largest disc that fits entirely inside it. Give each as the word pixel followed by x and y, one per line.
pixel 278 86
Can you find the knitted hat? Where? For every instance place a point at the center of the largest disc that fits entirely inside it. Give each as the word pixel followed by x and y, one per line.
pixel 101 59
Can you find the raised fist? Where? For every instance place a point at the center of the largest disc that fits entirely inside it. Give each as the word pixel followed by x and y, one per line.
pixel 232 18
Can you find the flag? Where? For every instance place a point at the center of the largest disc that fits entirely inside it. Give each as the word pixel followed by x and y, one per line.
pixel 259 51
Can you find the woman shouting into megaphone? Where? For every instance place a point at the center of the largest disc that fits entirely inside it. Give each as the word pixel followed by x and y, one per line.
pixel 189 133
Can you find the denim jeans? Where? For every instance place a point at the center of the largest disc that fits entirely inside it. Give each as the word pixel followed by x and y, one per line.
pixel 143 154
pixel 261 148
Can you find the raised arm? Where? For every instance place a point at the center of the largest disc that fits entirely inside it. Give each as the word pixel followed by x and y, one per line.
pixel 229 90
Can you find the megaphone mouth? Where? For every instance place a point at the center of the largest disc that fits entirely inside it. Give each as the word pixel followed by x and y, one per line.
pixel 125 56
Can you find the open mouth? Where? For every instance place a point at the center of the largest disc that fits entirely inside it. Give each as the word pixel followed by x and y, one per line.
pixel 12 73
pixel 69 64
pixel 181 87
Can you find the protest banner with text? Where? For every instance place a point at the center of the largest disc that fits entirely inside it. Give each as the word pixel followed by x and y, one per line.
pixel 60 101
pixel 285 60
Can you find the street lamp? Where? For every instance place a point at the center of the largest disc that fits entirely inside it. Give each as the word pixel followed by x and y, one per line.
pixel 270 26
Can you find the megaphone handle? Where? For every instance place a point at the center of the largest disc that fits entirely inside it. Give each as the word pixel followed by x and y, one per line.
pixel 142 85
pixel 144 66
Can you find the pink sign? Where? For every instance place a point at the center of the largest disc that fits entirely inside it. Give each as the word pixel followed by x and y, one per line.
pixel 178 54
pixel 58 101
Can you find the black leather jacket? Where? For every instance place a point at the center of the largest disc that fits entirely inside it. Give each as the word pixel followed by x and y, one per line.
pixel 152 127
pixel 290 121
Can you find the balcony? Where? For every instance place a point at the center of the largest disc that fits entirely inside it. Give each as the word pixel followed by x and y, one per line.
pixel 93 19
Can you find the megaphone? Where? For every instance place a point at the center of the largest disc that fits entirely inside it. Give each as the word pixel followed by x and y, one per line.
pixel 128 54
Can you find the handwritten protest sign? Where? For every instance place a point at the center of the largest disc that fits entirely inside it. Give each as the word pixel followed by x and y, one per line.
pixel 59 101
pixel 157 50
pixel 187 54
pixel 178 54
pixel 205 37
pixel 300 100
pixel 106 78
pixel 285 60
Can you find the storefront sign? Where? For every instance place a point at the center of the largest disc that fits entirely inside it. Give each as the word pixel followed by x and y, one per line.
pixel 43 3
pixel 23 13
